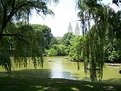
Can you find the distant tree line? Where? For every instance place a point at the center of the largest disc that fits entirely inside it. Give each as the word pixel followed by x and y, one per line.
pixel 72 46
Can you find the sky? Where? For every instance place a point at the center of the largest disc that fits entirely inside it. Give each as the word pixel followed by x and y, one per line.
pixel 65 12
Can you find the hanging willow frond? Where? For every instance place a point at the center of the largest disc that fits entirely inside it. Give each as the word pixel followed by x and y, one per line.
pixel 31 45
pixel 93 46
pixel 5 54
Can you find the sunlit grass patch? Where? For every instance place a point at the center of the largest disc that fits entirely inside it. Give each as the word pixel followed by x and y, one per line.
pixel 74 89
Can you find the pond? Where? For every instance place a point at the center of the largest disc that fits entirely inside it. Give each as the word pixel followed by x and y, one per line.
pixel 60 67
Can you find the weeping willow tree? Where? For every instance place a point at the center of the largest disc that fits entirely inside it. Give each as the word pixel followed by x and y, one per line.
pixel 31 45
pixel 22 41
pixel 95 37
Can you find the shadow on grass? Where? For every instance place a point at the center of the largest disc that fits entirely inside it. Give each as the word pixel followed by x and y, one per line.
pixel 113 81
pixel 30 80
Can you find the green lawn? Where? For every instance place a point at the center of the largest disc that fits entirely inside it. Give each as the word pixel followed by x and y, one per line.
pixel 25 80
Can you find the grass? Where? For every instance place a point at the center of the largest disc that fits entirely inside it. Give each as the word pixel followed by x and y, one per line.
pixel 30 80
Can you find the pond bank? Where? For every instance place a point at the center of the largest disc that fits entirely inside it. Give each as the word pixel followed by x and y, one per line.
pixel 60 67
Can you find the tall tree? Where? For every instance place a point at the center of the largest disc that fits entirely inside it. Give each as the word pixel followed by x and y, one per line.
pixel 106 22
pixel 23 41
pixel 76 50
pixel 93 53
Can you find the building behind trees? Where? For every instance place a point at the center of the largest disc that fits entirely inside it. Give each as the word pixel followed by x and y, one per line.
pixel 70 28
pixel 76 31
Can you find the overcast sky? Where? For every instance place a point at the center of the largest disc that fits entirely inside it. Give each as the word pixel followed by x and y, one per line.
pixel 65 12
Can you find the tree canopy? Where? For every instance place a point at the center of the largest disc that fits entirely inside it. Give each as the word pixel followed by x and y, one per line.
pixel 18 40
pixel 13 10
pixel 106 27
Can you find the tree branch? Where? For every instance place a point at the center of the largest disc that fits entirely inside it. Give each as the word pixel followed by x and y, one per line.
pixel 4 16
pixel 18 36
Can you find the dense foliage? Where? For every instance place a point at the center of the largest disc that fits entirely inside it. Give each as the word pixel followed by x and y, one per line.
pixel 32 43
pixel 100 41
pixel 21 41
pixel 76 49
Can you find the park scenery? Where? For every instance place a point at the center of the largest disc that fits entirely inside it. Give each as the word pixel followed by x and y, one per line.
pixel 85 58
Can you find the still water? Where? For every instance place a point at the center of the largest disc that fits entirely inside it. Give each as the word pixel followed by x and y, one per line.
pixel 59 67
pixel 62 68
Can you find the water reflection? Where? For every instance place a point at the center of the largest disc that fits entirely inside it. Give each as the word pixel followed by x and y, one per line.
pixel 57 70
pixel 61 68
